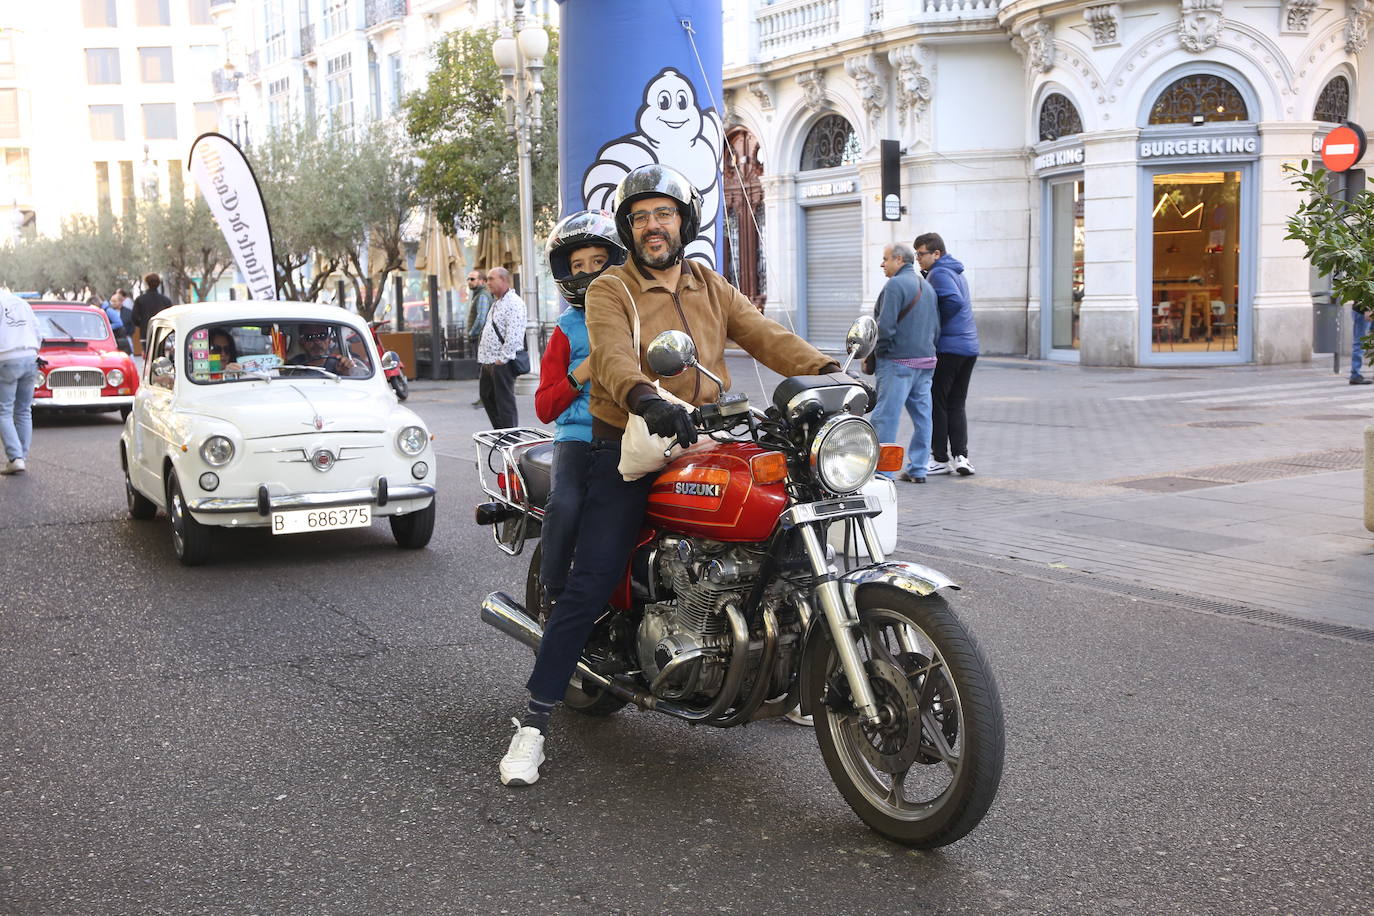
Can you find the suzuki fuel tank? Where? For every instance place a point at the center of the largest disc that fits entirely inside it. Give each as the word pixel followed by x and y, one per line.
pixel 710 492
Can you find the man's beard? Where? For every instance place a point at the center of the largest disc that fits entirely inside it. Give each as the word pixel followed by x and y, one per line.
pixel 669 257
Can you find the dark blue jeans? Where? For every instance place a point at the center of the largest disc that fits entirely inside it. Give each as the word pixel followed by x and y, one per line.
pixel 558 534
pixel 611 517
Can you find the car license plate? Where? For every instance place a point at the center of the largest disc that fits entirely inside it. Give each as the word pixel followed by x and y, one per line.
pixel 300 521
pixel 75 395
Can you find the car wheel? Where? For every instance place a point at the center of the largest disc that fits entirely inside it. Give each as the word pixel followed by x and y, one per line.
pixel 140 506
pixel 414 529
pixel 190 539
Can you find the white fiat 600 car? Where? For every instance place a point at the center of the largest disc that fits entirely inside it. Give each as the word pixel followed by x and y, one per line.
pixel 272 414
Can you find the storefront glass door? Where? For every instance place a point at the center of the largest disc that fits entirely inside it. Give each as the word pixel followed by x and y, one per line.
pixel 1065 261
pixel 1195 278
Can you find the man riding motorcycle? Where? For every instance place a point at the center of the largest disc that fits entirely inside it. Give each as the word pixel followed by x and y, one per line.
pixel 657 211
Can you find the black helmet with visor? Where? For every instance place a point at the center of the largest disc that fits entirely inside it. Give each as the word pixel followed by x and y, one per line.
pixel 579 230
pixel 657 181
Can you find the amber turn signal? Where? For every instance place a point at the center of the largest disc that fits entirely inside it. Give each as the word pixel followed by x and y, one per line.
pixel 770 467
pixel 890 457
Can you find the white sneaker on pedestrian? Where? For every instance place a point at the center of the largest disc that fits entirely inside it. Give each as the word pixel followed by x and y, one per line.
pixel 936 467
pixel 962 466
pixel 520 766
pixel 14 466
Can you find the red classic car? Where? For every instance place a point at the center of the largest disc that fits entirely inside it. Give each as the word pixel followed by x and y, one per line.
pixel 85 369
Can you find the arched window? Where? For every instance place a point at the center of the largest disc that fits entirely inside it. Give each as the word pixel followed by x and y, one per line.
pixel 831 142
pixel 1059 117
pixel 1197 99
pixel 1334 103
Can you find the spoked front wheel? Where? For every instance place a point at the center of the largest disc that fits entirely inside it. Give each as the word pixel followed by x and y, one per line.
pixel 926 774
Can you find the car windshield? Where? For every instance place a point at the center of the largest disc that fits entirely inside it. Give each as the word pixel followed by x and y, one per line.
pixel 257 350
pixel 71 324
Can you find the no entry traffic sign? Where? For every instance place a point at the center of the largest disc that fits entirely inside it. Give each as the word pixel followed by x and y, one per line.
pixel 1343 147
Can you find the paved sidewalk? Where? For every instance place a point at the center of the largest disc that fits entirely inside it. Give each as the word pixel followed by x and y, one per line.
pixel 1240 488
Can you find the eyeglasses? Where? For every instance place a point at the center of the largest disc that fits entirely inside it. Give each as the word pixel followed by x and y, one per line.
pixel 663 216
pixel 219 348
pixel 321 336
pixel 474 279
pixel 922 254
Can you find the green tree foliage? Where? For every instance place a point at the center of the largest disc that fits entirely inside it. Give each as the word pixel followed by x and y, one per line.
pixel 1338 235
pixel 467 159
pixel 182 243
pixel 383 176
pixel 93 256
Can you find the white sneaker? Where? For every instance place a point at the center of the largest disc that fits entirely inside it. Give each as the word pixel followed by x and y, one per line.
pixel 936 467
pixel 794 715
pixel 15 466
pixel 962 466
pixel 520 766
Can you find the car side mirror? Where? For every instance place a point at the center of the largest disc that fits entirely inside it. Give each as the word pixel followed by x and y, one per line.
pixel 671 353
pixel 390 360
pixel 163 368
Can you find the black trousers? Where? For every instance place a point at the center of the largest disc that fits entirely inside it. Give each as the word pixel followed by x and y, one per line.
pixel 612 513
pixel 948 391
pixel 496 388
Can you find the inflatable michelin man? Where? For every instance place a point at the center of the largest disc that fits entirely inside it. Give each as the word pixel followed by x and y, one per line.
pixel 672 131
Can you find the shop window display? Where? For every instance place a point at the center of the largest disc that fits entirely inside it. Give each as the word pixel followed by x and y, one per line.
pixel 1196 261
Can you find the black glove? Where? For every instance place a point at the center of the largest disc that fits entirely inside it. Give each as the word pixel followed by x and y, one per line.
pixel 667 419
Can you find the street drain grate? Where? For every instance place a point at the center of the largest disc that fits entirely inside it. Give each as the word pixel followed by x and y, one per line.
pixel 1176 599
pixel 1337 416
pixel 1224 424
pixel 1169 484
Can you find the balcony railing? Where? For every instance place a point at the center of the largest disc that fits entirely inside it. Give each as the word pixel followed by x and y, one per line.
pixel 308 40
pixel 379 11
pixel 947 10
pixel 797 24
pixel 223 83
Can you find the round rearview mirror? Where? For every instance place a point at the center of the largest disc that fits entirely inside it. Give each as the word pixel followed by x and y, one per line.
pixel 862 337
pixel 163 368
pixel 671 352
pixel 390 360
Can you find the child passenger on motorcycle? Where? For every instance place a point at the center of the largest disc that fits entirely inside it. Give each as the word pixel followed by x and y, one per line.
pixel 578 250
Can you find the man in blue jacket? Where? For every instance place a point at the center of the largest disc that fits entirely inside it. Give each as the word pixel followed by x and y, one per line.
pixel 908 325
pixel 956 352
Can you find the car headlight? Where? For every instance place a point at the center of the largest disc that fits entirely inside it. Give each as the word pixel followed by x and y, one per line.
pixel 844 453
pixel 217 451
pixel 38 380
pixel 114 378
pixel 411 440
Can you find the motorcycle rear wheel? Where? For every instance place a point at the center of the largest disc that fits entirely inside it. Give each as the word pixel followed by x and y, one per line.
pixel 400 386
pixel 594 702
pixel 929 773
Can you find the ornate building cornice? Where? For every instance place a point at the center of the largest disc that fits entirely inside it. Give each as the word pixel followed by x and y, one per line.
pixel 1106 24
pixel 1295 16
pixel 812 83
pixel 912 63
pixel 866 72
pixel 1199 25
pixel 1357 25
pixel 1036 43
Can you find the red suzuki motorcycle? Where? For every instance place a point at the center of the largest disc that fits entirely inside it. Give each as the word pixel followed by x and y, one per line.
pixel 392 367
pixel 734 606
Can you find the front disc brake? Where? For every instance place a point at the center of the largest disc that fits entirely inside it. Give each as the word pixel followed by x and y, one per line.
pixel 940 699
pixel 893 746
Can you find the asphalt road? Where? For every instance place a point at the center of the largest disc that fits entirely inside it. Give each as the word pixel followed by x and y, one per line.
pixel 312 725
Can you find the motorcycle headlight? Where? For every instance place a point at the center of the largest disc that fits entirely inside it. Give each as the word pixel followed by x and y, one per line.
pixel 217 451
pixel 411 440
pixel 114 378
pixel 844 453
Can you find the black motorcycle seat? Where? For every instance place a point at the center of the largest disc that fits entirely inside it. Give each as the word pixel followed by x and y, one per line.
pixel 536 465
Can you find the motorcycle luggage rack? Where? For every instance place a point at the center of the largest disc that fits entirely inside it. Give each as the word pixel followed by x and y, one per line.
pixel 498 455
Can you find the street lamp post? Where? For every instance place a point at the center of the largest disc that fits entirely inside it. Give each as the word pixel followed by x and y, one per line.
pixel 519 53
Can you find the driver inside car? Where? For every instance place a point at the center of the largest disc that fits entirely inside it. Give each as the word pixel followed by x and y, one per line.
pixel 320 349
pixel 657 214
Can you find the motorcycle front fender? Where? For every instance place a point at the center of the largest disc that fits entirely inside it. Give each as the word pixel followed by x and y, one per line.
pixel 910 577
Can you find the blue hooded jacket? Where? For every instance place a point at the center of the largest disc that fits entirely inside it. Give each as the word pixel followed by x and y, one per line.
pixel 958 332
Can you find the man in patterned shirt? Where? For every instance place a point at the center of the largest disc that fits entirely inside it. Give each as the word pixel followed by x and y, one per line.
pixel 502 337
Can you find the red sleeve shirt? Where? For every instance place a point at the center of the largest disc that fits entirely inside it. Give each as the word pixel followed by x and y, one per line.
pixel 555 393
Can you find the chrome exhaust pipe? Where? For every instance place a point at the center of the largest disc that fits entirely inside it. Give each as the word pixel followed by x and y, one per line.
pixel 501 611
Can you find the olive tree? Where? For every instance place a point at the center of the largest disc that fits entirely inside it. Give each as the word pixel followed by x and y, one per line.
pixel 182 242
pixel 1338 235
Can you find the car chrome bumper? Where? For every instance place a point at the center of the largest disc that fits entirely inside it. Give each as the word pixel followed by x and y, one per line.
pixel 217 504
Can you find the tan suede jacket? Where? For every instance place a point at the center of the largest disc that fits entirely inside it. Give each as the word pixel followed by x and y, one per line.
pixel 705 306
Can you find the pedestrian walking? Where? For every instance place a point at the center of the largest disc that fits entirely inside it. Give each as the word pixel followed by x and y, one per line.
pixel 955 353
pixel 20 340
pixel 149 303
pixel 908 325
pixel 502 337
pixel 120 302
pixel 1359 326
pixel 479 305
